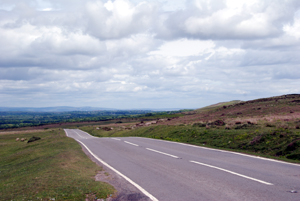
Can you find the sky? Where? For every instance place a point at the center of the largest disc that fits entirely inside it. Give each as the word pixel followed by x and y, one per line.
pixel 132 54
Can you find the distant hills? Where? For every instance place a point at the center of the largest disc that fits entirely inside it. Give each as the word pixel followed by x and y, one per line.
pixel 70 109
pixel 51 109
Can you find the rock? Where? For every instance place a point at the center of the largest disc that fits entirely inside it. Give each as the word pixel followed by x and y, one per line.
pixel 107 128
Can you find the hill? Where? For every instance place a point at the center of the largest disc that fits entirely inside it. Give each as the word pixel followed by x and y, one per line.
pixel 268 127
pixel 218 105
pixel 278 109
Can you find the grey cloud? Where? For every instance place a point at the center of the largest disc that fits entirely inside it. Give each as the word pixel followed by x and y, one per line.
pixel 269 57
pixel 286 73
pixel 15 74
pixel 263 20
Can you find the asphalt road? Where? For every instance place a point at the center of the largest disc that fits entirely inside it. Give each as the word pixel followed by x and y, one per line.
pixel 169 171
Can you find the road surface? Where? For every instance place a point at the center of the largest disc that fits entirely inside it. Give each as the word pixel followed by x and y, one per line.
pixel 170 171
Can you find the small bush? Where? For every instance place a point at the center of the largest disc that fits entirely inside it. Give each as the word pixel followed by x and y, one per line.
pixel 294 156
pixel 241 126
pixel 270 125
pixel 217 123
pixel 199 125
pixel 33 139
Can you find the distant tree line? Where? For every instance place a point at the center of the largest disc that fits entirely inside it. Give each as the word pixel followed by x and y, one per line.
pixel 23 119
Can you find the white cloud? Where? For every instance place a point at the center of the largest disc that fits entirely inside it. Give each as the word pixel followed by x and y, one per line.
pixel 184 48
pixel 131 54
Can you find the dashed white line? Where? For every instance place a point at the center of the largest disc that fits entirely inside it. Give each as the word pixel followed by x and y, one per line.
pixel 224 151
pixel 162 153
pixel 87 133
pixel 116 139
pixel 119 173
pixel 131 143
pixel 80 135
pixel 251 178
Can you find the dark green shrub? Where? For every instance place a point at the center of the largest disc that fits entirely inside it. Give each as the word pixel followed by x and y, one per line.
pixel 33 139
pixel 199 125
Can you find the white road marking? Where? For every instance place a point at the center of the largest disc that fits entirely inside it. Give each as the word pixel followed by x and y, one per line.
pixel 80 135
pixel 223 151
pixel 162 153
pixel 119 173
pixel 131 143
pixel 260 181
pixel 66 132
pixel 116 139
pixel 87 133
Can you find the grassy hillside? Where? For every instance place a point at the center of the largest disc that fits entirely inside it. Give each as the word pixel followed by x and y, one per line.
pixel 52 168
pixel 217 105
pixel 268 127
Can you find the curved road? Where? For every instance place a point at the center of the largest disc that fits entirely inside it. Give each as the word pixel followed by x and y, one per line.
pixel 167 171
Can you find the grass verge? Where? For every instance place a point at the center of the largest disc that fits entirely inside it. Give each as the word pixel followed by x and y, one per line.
pixel 52 168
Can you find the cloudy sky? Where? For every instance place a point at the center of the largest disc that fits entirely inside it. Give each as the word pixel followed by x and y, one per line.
pixel 147 53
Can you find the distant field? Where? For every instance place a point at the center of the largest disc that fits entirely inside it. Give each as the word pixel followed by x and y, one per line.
pixel 19 119
pixel 52 168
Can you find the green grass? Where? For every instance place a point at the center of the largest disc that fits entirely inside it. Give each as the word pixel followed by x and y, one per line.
pixel 270 142
pixel 216 106
pixel 54 167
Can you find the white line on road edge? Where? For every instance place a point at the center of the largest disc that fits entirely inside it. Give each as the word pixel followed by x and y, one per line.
pixel 119 173
pixel 87 133
pixel 66 132
pixel 131 143
pixel 263 182
pixel 116 139
pixel 162 153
